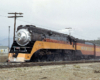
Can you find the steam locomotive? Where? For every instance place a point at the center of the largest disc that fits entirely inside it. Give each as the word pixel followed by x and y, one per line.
pixel 37 44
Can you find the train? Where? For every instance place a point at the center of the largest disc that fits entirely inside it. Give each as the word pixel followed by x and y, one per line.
pixel 34 44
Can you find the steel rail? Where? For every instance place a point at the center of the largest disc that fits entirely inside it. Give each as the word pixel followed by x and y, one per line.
pixel 28 64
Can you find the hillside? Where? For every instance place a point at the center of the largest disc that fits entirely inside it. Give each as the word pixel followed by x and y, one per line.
pixel 4 42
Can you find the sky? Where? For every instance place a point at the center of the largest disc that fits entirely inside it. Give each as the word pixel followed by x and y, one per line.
pixel 83 16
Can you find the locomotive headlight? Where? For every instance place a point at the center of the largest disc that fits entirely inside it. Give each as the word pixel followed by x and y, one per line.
pixel 23 37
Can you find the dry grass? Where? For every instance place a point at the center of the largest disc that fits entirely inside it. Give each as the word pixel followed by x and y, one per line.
pixel 58 72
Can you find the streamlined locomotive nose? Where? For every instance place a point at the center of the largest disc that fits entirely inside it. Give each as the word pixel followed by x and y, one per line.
pixel 23 37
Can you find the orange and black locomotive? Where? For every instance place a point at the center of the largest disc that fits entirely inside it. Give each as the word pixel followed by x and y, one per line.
pixel 37 44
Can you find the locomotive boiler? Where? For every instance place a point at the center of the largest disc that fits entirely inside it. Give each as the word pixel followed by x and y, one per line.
pixel 37 44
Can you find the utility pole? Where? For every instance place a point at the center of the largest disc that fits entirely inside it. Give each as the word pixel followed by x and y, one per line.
pixel 69 30
pixel 8 38
pixel 15 16
pixel 8 41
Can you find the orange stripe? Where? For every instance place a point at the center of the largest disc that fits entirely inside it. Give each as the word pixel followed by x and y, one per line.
pixel 84 48
pixel 49 45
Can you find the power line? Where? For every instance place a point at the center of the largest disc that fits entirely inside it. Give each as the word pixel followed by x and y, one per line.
pixel 65 28
pixel 24 21
pixel 83 36
pixel 33 23
pixel 3 16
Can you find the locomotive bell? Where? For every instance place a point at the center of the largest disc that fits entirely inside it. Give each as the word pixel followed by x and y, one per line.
pixel 23 37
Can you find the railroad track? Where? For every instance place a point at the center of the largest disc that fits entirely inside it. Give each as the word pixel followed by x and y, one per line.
pixel 28 64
